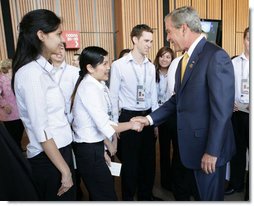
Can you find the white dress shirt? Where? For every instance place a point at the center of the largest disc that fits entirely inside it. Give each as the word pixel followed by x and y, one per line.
pixel 66 77
pixel 162 88
pixel 123 85
pixel 90 111
pixel 41 106
pixel 241 71
pixel 171 76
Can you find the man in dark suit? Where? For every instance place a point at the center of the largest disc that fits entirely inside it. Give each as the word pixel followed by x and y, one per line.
pixel 203 100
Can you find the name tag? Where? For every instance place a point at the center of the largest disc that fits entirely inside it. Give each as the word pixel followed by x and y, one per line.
pixel 245 86
pixel 140 96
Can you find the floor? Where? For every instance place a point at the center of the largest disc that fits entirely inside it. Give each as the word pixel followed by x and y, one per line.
pixel 157 190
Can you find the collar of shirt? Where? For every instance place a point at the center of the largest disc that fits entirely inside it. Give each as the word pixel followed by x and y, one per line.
pixel 244 57
pixel 129 57
pixel 57 69
pixel 194 44
pixel 100 84
pixel 45 64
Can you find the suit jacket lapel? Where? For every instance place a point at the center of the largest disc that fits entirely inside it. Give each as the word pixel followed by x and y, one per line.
pixel 192 63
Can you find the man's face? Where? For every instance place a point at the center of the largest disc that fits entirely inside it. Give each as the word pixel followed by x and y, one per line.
pixel 174 35
pixel 144 43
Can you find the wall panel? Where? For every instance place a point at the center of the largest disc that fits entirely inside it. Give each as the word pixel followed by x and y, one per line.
pixel 3 50
pixel 242 15
pixel 229 26
pixel 239 43
pixel 200 6
pixel 95 20
pixel 160 25
pixel 180 3
pixel 214 9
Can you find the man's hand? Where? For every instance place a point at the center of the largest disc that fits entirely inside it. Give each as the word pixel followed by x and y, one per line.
pixel 140 119
pixel 137 126
pixel 235 108
pixel 208 163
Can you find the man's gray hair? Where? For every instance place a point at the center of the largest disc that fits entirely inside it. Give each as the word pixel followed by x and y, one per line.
pixel 185 15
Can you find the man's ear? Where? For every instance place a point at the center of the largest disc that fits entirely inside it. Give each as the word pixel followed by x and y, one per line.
pixel 135 39
pixel 184 27
pixel 41 35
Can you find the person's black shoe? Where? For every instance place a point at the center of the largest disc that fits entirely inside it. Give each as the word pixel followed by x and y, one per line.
pixel 229 191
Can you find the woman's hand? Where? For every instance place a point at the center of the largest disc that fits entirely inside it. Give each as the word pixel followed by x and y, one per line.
pixel 107 158
pixel 67 183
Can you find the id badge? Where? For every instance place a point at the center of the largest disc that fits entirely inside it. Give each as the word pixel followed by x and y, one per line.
pixel 140 95
pixel 245 86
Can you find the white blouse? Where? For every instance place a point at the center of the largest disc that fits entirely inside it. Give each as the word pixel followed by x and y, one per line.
pixel 41 106
pixel 91 112
pixel 66 77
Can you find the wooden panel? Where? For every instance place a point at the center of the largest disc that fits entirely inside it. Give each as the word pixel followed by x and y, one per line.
pixel 47 4
pixel 160 25
pixel 67 10
pixel 239 43
pixel 228 26
pixel 242 15
pixel 214 9
pixel 94 19
pixel 172 5
pixel 118 27
pixel 131 17
pixel 180 3
pixel 149 16
pixel 3 49
pixel 104 15
pixel 200 6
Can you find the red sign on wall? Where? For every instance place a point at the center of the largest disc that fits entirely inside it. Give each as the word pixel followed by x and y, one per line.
pixel 72 39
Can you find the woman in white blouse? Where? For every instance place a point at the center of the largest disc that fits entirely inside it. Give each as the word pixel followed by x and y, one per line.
pixel 93 126
pixel 41 105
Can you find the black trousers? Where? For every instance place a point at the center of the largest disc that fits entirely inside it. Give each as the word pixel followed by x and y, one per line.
pixel 240 121
pixel 94 171
pixel 15 129
pixel 167 142
pixel 48 178
pixel 137 152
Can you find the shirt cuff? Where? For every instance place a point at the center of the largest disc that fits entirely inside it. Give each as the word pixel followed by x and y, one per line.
pixel 150 119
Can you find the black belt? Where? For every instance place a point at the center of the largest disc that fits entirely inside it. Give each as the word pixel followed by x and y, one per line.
pixel 136 113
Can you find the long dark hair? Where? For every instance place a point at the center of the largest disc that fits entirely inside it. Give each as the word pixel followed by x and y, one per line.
pixel 160 53
pixel 92 55
pixel 29 45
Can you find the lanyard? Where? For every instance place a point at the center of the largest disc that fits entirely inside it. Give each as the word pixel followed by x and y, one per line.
pixel 163 92
pixel 60 79
pixel 136 75
pixel 109 104
pixel 242 68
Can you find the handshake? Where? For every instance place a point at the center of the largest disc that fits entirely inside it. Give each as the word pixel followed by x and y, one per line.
pixel 138 123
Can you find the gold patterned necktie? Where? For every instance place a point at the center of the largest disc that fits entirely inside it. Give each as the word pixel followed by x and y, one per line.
pixel 184 63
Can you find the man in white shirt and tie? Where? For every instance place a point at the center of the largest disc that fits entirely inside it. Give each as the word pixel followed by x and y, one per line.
pixel 133 90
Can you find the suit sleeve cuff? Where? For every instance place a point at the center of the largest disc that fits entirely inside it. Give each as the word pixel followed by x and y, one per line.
pixel 150 119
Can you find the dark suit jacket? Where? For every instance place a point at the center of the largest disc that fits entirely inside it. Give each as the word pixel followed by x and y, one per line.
pixel 16 183
pixel 204 105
